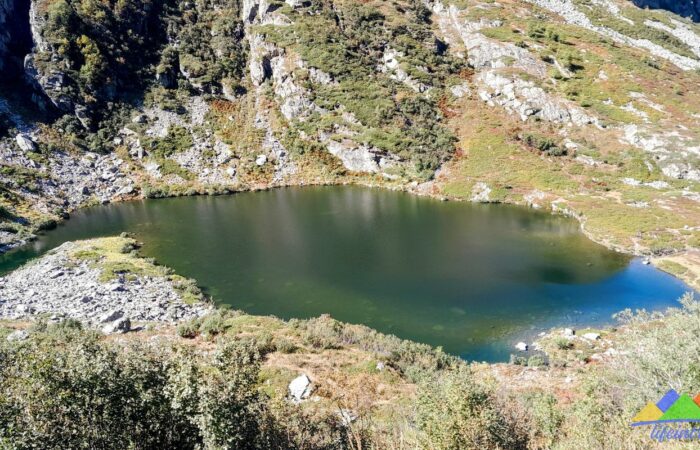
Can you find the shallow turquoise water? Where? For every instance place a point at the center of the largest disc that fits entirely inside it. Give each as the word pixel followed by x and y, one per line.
pixel 474 279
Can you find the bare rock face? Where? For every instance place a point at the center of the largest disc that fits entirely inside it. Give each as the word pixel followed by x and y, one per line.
pixel 5 12
pixel 361 158
pixel 50 84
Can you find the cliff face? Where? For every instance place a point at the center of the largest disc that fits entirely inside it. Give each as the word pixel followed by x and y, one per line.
pixel 5 11
pixel 15 37
pixel 685 8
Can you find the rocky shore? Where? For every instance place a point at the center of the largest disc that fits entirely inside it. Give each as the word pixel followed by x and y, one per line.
pixel 101 282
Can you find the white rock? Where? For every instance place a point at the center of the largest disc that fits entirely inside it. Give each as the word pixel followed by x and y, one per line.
pixel 480 192
pixel 300 388
pixel 23 309
pixel 261 160
pixel 25 142
pixel 569 332
pixel 347 416
pixel 521 346
pixel 18 335
pixel 591 336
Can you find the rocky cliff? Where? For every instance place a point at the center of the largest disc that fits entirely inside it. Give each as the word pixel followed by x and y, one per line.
pixel 5 11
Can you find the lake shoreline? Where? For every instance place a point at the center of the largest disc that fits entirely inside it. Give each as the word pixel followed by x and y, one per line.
pixel 689 260
pixel 595 264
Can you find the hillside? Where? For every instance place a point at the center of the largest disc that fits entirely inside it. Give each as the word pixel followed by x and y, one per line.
pixel 587 108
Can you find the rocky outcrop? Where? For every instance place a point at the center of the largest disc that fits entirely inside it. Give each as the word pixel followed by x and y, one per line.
pixel 51 82
pixel 497 86
pixel 527 100
pixel 64 284
pixel 390 64
pixel 361 158
pixel 571 14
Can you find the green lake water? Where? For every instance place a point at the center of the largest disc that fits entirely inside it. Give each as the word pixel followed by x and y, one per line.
pixel 474 279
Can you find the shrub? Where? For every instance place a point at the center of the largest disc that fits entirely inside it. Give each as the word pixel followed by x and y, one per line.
pixel 453 411
pixel 68 389
pixel 213 324
pixel 547 419
pixel 536 361
pixel 562 343
pixel 543 144
pixel 189 329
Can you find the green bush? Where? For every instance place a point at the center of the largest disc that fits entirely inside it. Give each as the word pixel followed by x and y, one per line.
pixel 454 412
pixel 543 144
pixel 73 391
pixel 562 343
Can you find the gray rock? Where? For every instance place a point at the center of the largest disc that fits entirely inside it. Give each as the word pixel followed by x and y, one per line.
pixel 121 325
pixel 111 316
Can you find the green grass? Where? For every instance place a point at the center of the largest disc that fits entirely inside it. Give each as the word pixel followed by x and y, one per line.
pixel 116 256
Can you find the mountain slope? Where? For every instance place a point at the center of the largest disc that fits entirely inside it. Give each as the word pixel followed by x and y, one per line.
pixel 584 107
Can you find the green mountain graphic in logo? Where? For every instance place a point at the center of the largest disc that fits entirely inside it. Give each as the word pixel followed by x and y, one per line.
pixel 682 409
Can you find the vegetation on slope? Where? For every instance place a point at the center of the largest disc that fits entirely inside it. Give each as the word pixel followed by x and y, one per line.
pixel 224 385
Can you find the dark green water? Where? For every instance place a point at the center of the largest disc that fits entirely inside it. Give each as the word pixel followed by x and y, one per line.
pixel 474 279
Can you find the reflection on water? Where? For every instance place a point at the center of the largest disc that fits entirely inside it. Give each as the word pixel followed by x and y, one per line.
pixel 472 278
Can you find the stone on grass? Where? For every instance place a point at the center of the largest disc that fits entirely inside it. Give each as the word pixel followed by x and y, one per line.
pixel 121 325
pixel 591 336
pixel 300 388
pixel 18 335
